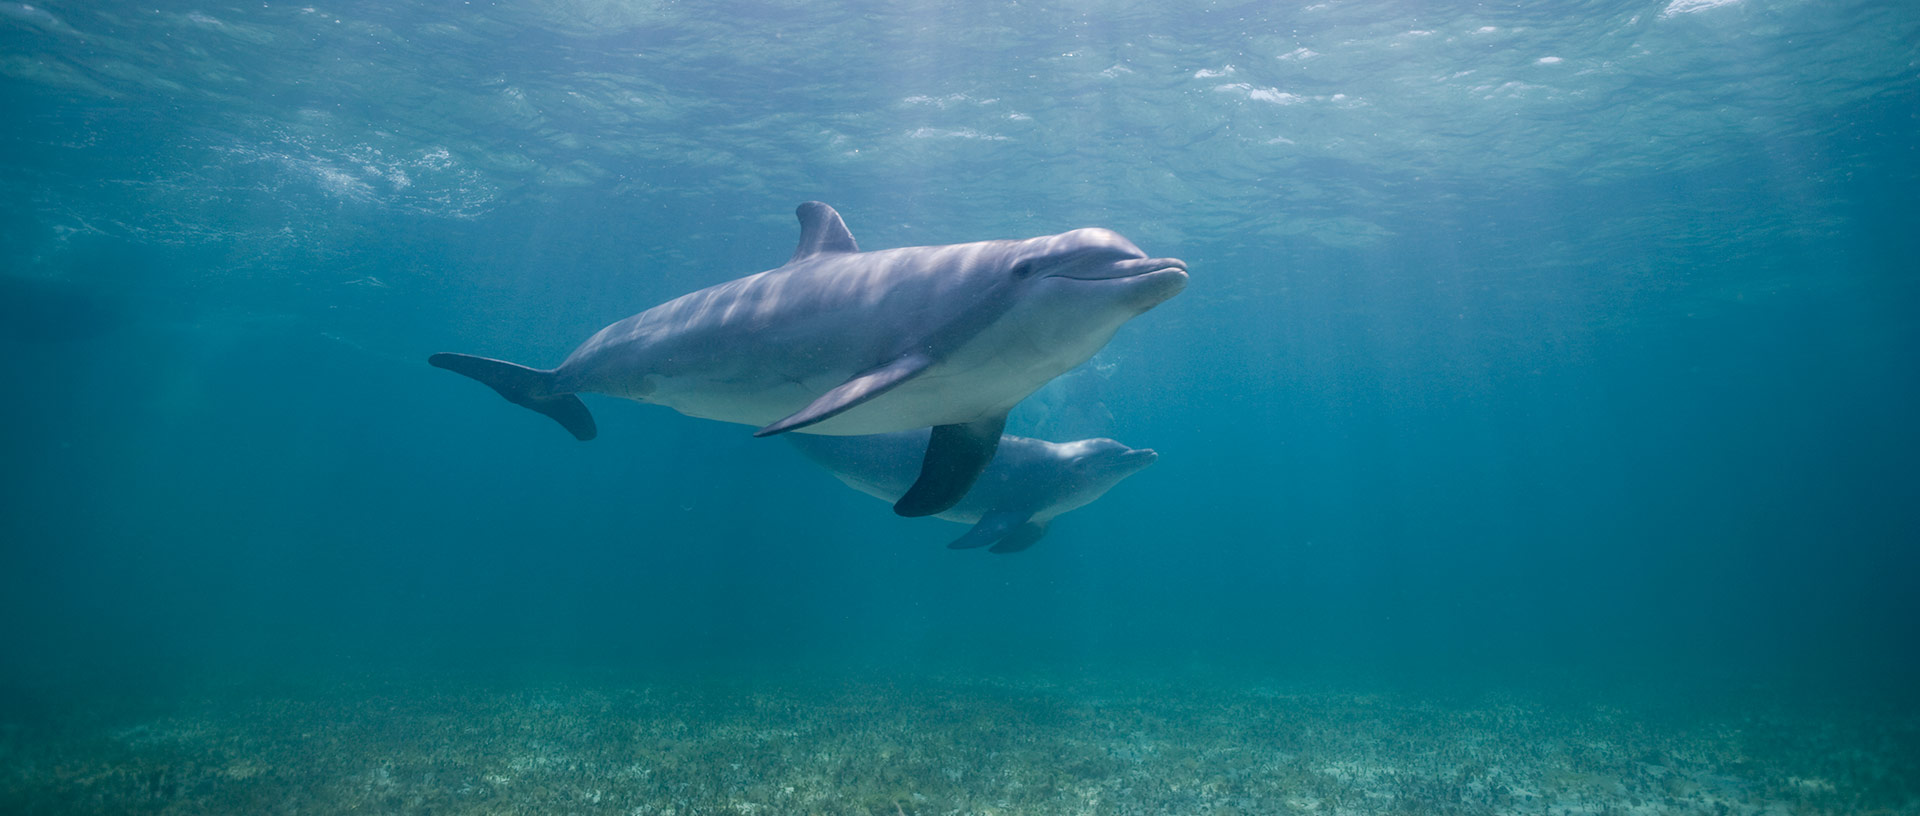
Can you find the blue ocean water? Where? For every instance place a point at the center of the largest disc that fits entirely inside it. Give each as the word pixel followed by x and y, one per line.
pixel 1567 350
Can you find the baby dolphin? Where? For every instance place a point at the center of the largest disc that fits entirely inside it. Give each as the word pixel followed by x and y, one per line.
pixel 842 342
pixel 1029 482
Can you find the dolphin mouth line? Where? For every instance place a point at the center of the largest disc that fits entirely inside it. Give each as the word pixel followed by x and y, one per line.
pixel 1127 269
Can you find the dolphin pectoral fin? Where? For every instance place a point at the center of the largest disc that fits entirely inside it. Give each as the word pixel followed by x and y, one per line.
pixel 861 387
pixel 956 454
pixel 1021 538
pixel 821 230
pixel 525 387
pixel 991 528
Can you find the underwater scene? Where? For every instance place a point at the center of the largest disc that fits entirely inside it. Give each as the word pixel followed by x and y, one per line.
pixel 916 408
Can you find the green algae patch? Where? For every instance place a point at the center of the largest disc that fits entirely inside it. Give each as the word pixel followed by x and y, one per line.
pixel 921 747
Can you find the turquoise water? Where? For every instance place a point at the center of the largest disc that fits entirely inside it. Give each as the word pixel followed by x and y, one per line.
pixel 1545 380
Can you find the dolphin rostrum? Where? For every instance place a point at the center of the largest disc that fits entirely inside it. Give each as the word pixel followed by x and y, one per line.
pixel 842 342
pixel 1029 482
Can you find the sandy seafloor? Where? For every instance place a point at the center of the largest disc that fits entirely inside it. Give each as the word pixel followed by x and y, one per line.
pixel 893 744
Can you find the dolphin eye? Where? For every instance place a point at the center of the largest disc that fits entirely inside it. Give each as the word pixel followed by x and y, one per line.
pixel 1024 269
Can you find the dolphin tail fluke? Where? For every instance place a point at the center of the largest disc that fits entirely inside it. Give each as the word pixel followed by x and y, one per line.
pixel 525 387
pixel 956 455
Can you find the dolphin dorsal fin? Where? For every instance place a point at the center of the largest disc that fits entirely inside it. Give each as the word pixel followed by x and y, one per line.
pixel 821 230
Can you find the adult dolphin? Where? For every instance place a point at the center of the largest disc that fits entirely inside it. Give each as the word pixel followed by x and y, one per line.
pixel 1029 482
pixel 843 342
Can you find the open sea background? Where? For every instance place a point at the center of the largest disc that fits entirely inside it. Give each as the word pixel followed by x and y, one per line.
pixel 1561 349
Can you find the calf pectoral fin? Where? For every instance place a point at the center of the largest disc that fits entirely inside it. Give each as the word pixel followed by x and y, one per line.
pixel 858 389
pixel 956 454
pixel 991 528
pixel 1021 538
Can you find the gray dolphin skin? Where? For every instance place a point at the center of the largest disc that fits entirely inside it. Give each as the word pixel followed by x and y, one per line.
pixel 1028 483
pixel 843 342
